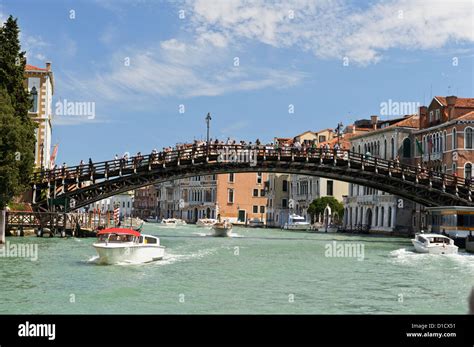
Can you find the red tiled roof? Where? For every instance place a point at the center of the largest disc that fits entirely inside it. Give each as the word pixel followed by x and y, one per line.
pixel 460 102
pixel 33 68
pixel 467 116
pixel 408 122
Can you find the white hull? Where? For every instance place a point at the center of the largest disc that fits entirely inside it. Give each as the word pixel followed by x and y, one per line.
pixel 123 253
pixel 221 231
pixel 434 249
pixel 297 227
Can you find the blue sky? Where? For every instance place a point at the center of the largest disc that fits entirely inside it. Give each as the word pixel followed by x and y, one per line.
pixel 139 60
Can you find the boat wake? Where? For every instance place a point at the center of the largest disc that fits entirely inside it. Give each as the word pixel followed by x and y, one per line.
pixel 211 234
pixel 410 257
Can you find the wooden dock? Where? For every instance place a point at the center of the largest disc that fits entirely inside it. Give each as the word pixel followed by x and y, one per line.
pixel 57 223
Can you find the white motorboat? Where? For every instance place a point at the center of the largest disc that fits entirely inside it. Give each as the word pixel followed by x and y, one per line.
pixel 296 222
pixel 172 222
pixel 153 220
pixel 255 223
pixel 119 245
pixel 434 244
pixel 206 222
pixel 222 229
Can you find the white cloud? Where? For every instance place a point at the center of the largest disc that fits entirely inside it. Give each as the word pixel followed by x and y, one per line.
pixel 34 46
pixel 175 68
pixel 335 29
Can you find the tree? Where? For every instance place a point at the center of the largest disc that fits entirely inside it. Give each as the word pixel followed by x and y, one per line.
pixel 17 140
pixel 318 205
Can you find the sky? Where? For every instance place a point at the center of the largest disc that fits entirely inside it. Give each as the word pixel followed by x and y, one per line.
pixel 150 71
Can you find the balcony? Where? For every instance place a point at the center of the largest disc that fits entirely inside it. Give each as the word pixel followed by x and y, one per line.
pixel 433 156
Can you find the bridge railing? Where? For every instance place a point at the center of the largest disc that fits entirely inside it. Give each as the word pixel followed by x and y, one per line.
pixel 221 152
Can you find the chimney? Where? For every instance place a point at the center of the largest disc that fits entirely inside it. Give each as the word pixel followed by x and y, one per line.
pixel 422 112
pixel 48 65
pixel 374 120
pixel 451 101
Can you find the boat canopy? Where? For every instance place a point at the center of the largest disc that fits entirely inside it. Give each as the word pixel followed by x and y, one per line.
pixel 121 231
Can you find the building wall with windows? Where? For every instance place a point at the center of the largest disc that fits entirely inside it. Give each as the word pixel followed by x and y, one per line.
pixel 278 192
pixel 242 196
pixel 445 139
pixel 40 84
pixel 145 202
pixel 373 210
pixel 124 201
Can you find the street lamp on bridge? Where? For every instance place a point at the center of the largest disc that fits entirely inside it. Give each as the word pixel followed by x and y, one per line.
pixel 208 120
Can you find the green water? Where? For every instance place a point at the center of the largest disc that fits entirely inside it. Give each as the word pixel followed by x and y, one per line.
pixel 257 271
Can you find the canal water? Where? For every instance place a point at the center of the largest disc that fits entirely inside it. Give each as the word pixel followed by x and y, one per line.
pixel 255 271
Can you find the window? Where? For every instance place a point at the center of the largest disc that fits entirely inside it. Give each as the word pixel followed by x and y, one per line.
pixel 445 141
pixel 322 138
pixel 454 169
pixel 255 209
pixel 329 190
pixel 262 209
pixel 231 177
pixel 468 170
pixel 284 203
pixel 431 116
pixel 128 204
pixel 259 178
pixel 454 139
pixel 262 192
pixel 392 144
pixel 34 99
pixel 407 148
pixel 230 196
pixel 285 186
pixel 437 114
pixel 255 192
pixel 385 149
pixel 123 204
pixel 468 138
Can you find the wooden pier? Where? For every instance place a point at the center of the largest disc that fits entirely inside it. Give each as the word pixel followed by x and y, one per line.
pixel 57 223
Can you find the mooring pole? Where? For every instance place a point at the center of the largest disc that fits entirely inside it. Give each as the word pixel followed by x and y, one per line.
pixel 2 225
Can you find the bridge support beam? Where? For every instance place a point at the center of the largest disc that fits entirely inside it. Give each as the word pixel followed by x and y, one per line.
pixel 3 222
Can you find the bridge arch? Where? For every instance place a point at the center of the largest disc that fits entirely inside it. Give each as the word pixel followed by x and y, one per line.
pixel 105 179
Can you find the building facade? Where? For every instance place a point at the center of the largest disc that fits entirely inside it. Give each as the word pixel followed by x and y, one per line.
pixel 242 197
pixel 40 84
pixel 369 209
pixel 145 202
pixel 445 136
pixel 124 201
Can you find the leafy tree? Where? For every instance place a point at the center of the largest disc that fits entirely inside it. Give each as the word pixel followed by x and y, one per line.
pixel 318 205
pixel 17 140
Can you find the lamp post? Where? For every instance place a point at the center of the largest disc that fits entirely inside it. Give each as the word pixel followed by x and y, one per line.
pixel 208 120
pixel 338 130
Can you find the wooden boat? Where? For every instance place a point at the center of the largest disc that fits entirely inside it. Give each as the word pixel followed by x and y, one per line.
pixel 222 229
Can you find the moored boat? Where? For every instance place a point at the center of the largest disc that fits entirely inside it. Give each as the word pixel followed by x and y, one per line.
pixel 172 222
pixel 206 222
pixel 255 223
pixel 296 222
pixel 152 220
pixel 434 244
pixel 222 229
pixel 119 245
pixel 470 243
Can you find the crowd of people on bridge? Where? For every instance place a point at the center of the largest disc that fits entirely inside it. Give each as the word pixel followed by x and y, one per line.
pixel 199 148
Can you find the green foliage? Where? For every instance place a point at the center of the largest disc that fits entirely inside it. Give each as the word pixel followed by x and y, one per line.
pixel 17 140
pixel 318 205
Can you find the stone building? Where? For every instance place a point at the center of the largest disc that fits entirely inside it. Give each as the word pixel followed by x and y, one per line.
pixel 40 85
pixel 373 210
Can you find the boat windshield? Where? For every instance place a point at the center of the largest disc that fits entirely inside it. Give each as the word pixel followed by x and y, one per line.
pixel 439 240
pixel 116 238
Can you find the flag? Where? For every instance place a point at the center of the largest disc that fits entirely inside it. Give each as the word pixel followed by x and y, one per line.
pixel 52 159
pixel 420 147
